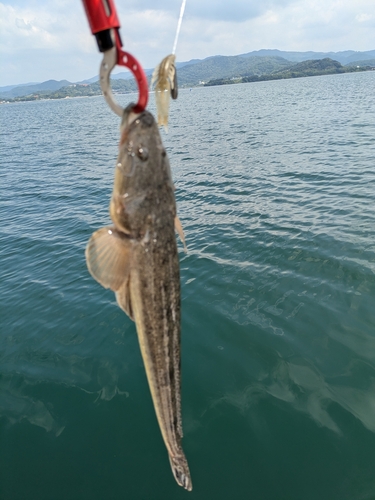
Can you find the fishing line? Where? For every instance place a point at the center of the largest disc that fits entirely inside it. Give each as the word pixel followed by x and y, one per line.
pixel 179 25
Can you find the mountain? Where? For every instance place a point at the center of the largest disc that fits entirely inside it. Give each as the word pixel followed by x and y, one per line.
pixel 91 80
pixel 364 62
pixel 10 87
pixel 228 67
pixel 259 63
pixel 123 75
pixel 343 57
pixel 222 66
pixel 127 75
pixel 23 90
pixel 211 68
pixel 313 67
pixel 216 70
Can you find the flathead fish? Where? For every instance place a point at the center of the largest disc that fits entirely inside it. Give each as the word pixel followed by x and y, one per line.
pixel 137 258
pixel 165 79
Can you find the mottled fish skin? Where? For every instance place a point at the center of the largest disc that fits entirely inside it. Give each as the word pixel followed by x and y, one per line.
pixel 165 79
pixel 137 258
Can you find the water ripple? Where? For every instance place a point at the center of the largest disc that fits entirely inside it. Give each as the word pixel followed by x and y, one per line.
pixel 275 184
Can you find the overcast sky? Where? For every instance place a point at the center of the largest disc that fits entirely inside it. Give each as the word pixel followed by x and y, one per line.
pixel 51 39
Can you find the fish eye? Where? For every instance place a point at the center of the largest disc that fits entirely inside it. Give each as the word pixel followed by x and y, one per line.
pixel 142 153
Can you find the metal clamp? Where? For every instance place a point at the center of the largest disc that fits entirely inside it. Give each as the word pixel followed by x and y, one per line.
pixel 105 25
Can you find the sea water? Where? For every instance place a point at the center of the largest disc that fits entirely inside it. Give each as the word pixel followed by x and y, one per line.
pixel 275 185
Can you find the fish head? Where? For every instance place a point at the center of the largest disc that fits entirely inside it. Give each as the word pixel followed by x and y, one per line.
pixel 143 182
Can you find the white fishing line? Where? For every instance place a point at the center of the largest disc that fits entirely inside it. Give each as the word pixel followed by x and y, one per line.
pixel 179 25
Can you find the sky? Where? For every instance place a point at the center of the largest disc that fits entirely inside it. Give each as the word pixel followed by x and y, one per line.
pixel 51 39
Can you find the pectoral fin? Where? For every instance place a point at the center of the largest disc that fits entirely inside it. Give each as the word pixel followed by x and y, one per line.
pixel 123 299
pixel 108 257
pixel 180 231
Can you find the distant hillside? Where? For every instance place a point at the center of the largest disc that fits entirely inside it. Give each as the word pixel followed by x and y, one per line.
pixel 127 75
pixel 23 90
pixel 80 90
pixel 313 67
pixel 228 67
pixel 195 71
pixel 190 73
pixel 10 87
pixel 217 70
pixel 364 62
pixel 344 57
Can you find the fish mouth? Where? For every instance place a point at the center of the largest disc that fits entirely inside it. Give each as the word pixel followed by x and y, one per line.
pixel 128 116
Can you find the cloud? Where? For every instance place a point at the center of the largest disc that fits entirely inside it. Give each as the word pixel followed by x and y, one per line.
pixel 38 43
pixel 220 10
pixel 239 11
pixel 51 38
pixel 39 28
pixel 23 25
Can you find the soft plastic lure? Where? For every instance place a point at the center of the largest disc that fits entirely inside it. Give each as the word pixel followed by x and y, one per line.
pixel 165 78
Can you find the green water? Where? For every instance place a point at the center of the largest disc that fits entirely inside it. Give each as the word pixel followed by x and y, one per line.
pixel 275 188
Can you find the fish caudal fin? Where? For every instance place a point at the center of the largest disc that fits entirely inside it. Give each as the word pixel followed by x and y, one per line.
pixel 181 471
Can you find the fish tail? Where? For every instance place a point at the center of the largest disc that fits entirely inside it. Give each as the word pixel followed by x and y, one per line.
pixel 181 471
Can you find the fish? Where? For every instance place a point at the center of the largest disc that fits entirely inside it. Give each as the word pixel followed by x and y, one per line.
pixel 165 79
pixel 138 259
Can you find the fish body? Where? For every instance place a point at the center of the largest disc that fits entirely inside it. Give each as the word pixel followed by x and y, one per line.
pixel 137 258
pixel 165 79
